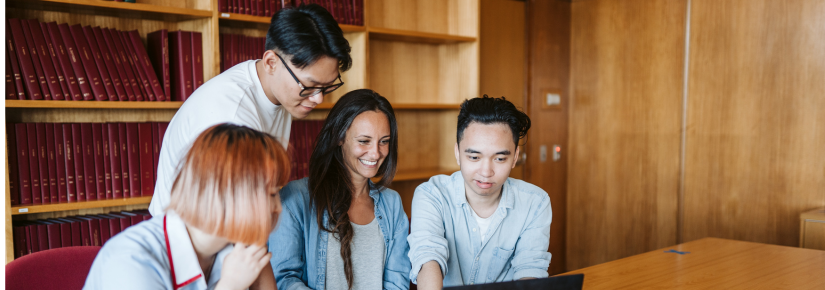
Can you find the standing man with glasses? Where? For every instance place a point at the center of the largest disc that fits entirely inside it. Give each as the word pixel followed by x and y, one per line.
pixel 305 54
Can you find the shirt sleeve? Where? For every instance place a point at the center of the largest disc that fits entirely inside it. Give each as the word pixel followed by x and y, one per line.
pixel 125 271
pixel 531 258
pixel 398 266
pixel 286 243
pixel 426 240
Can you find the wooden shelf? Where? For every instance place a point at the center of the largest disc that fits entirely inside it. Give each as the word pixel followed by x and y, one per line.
pixel 327 106
pixel 26 104
pixel 29 209
pixel 415 36
pixel 111 8
pixel 266 20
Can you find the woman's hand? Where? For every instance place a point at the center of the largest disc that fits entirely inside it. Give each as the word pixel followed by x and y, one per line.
pixel 242 266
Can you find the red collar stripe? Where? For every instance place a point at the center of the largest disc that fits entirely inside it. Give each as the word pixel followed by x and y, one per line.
pixel 172 264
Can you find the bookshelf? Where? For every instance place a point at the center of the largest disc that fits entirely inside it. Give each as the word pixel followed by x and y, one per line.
pixel 421 55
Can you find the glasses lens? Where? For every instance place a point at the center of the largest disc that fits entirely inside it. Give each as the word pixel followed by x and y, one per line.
pixel 332 88
pixel 310 92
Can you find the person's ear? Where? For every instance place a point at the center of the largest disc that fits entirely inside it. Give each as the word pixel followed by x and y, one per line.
pixel 515 159
pixel 270 60
pixel 457 157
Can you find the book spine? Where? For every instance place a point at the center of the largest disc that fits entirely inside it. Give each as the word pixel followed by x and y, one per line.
pixel 31 234
pixel 34 163
pixel 85 233
pixel 111 54
pixel 222 6
pixel 55 238
pixel 127 73
pixel 89 65
pixel 197 60
pixel 79 162
pixel 247 7
pixel 133 143
pixel 114 224
pixel 267 8
pixel 146 156
pixel 13 177
pixel 110 65
pixel 105 234
pixel 107 164
pixel 54 193
pixel 94 231
pixel 158 49
pixel 35 56
pixel 71 91
pixel 63 185
pixel 97 59
pixel 155 150
pixel 20 90
pixel 65 233
pixel 30 79
pixel 97 153
pixel 146 62
pixel 137 65
pixel 86 132
pixel 42 50
pixel 20 241
pixel 76 62
pixel 253 7
pixel 124 159
pixel 42 237
pixel 114 159
pixel 43 162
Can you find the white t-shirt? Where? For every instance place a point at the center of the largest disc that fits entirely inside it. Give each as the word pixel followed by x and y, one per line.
pixel 236 97
pixel 483 224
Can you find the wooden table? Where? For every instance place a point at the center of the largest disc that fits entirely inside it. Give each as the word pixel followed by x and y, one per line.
pixel 712 263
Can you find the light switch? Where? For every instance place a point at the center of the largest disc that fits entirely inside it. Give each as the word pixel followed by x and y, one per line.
pixel 543 153
pixel 552 99
pixel 556 153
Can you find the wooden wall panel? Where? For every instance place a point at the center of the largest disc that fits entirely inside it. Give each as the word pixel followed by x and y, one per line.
pixel 625 117
pixel 756 119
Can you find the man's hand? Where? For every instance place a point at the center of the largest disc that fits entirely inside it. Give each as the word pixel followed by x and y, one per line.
pixel 430 278
pixel 242 266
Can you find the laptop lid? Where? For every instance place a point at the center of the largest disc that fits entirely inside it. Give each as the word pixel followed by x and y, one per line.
pixel 567 282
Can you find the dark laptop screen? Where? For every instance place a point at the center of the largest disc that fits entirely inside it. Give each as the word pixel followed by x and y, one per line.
pixel 567 282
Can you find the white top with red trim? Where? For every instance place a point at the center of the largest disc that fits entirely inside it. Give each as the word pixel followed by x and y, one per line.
pixel 141 258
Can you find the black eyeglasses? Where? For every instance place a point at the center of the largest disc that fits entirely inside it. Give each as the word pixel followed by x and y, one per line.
pixel 311 91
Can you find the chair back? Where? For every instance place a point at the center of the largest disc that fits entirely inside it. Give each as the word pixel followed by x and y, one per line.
pixel 63 268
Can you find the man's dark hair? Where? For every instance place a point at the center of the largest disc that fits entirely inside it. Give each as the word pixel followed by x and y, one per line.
pixel 306 33
pixel 487 110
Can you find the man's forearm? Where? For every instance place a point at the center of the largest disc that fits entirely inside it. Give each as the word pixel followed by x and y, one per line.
pixel 430 278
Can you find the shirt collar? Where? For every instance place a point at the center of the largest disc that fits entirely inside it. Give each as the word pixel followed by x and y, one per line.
pixel 507 192
pixel 183 260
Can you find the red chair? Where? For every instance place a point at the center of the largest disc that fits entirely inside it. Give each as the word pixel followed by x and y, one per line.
pixel 63 268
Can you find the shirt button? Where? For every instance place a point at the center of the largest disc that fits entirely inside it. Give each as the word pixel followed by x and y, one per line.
pixel 474 229
pixel 476 258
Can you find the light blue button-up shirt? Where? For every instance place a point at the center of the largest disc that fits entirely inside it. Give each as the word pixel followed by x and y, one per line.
pixel 137 258
pixel 444 230
pixel 299 247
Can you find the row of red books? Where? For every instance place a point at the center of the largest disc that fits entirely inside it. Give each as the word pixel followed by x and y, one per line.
pixel 236 49
pixel 344 11
pixel 88 230
pixel 47 61
pixel 177 57
pixel 55 163
pixel 301 143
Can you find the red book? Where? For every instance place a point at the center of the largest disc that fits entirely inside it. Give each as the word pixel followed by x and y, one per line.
pixel 161 132
pixel 180 50
pixel 103 227
pixel 124 159
pixel 158 49
pixel 11 55
pixel 114 224
pixel 226 54
pixel 106 57
pixel 43 162
pixel 62 64
pixel 155 149
pixel 247 7
pixel 11 92
pixel 73 55
pixel 133 144
pixel 107 162
pixel 33 237
pixel 14 178
pixel 35 56
pixel 85 231
pixel 99 89
pixel 114 160
pixel 100 169
pixel 105 77
pixel 111 54
pixel 222 6
pixel 147 167
pixel 253 7
pixel 126 62
pixel 124 221
pixel 65 231
pixel 137 66
pixel 20 240
pixel 157 87
pixel 79 162
pixel 88 151
pixel 42 236
pixel 53 236
pixel 94 229
pixel 60 160
pixel 42 50
pixel 62 79
pixel 51 158
pixel 30 79
pixel 197 60
pixel 133 217
pixel 34 163
pixel 75 229
pixel 267 8
pixel 69 160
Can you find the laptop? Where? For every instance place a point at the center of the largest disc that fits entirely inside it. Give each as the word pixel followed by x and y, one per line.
pixel 567 282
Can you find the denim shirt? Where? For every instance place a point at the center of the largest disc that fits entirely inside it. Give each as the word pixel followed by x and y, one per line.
pixel 444 230
pixel 299 247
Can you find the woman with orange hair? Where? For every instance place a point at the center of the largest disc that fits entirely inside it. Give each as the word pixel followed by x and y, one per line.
pixel 224 204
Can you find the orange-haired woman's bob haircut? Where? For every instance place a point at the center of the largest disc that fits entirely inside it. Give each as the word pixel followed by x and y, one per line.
pixel 226 180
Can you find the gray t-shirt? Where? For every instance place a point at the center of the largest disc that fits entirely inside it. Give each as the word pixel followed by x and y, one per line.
pixel 367 252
